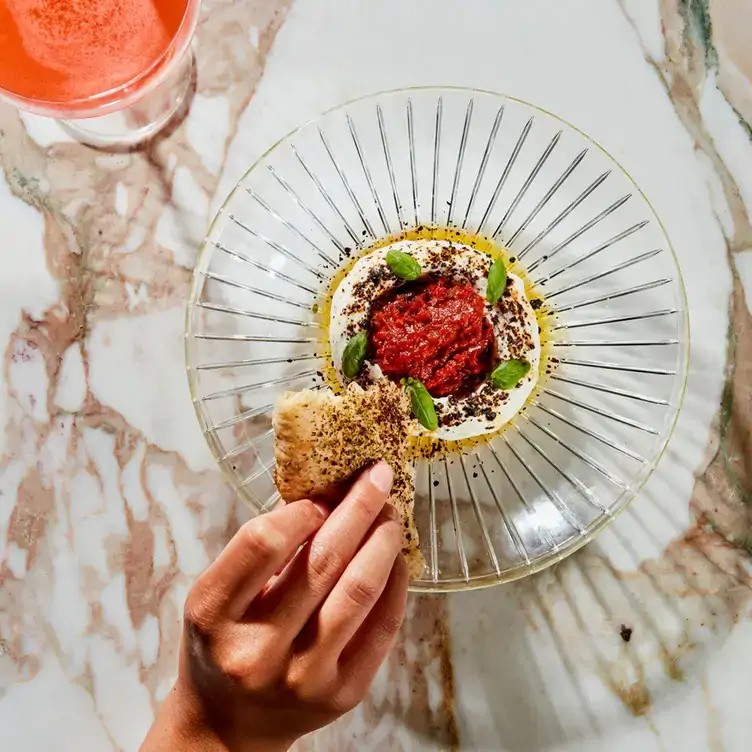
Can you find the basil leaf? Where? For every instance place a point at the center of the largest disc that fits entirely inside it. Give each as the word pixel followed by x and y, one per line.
pixel 497 281
pixel 403 265
pixel 354 355
pixel 509 373
pixel 422 404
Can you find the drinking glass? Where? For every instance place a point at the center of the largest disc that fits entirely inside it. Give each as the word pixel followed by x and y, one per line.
pixel 44 73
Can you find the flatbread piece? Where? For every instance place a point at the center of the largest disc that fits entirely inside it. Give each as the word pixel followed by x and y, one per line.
pixel 323 440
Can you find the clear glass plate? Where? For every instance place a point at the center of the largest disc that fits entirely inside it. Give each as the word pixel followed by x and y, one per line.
pixel 576 223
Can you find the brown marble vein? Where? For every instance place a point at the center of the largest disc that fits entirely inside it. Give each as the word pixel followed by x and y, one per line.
pixel 96 256
pixel 703 575
pixel 100 257
pixel 111 265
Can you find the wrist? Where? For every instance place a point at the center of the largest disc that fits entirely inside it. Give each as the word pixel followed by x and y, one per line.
pixel 180 728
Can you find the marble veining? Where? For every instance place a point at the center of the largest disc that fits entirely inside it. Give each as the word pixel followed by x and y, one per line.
pixel 110 503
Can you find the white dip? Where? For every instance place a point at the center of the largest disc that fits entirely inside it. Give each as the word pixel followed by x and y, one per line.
pixel 513 320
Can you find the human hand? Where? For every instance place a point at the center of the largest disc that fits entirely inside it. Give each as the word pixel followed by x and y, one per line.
pixel 279 642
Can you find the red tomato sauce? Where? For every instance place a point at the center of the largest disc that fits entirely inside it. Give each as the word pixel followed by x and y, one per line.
pixel 433 330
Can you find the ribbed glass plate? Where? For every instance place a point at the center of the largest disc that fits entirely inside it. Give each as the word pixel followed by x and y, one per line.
pixel 576 223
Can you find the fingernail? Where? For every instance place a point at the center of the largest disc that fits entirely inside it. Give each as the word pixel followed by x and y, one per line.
pixel 322 508
pixel 381 476
pixel 390 512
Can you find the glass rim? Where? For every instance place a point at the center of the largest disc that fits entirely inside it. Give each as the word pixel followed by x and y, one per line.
pixel 106 102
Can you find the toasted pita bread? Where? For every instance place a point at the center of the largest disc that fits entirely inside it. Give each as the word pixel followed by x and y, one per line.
pixel 323 440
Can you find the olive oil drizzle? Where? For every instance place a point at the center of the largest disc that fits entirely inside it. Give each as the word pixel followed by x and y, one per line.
pixel 424 446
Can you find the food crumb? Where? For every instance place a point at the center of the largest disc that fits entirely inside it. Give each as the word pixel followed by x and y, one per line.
pixel 626 633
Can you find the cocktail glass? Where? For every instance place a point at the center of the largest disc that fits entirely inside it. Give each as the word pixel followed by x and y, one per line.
pixel 156 80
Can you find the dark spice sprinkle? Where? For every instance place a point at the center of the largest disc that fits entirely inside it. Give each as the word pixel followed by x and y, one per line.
pixel 513 259
pixel 475 475
pixel 536 303
pixel 508 314
pixel 436 483
pixel 626 633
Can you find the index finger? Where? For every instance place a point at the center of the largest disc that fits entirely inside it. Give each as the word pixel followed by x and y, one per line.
pixel 307 581
pixel 253 555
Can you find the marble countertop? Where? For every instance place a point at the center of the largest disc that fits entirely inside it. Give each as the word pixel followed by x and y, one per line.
pixel 110 504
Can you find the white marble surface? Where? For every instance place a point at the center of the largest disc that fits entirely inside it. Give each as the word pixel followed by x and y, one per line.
pixel 110 503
